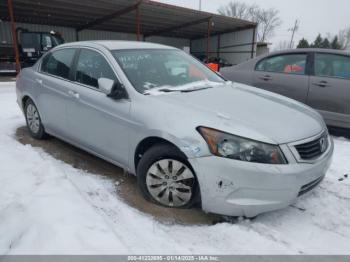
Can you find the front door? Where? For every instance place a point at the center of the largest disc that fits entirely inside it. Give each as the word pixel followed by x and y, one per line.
pixel 330 88
pixel 97 122
pixel 284 74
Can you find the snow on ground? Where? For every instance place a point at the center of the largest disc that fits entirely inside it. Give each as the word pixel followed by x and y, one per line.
pixel 49 207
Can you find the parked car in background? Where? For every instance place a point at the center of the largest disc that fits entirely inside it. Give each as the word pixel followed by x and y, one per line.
pixel 31 46
pixel 187 134
pixel 317 77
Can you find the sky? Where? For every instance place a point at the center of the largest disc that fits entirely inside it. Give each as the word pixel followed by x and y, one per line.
pixel 315 16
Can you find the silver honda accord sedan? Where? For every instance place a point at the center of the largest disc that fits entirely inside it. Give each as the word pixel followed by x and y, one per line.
pixel 189 136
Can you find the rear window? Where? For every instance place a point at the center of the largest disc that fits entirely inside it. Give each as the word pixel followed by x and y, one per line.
pixel 58 63
pixel 330 65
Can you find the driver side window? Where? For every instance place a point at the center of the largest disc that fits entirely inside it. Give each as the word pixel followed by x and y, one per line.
pixel 91 66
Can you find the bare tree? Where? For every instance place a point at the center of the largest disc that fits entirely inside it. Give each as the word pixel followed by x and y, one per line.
pixel 239 10
pixel 344 38
pixel 267 19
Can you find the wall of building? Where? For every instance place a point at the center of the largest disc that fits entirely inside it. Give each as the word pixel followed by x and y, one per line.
pixel 199 46
pixel 6 33
pixel 69 35
pixel 86 35
pixel 236 47
pixel 171 41
pixel 262 50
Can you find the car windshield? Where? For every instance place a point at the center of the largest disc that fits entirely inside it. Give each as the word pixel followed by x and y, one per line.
pixel 165 70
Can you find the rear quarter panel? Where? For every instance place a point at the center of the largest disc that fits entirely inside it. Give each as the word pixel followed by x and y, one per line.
pixel 25 86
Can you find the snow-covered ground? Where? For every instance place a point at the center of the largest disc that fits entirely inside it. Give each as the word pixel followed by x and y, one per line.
pixel 49 207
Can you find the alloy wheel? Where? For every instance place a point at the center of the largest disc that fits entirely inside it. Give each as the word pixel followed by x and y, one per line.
pixel 33 118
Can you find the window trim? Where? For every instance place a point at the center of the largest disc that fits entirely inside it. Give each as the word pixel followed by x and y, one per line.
pixel 307 64
pixel 327 53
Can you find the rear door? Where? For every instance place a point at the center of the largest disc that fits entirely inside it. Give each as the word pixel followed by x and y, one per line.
pixel 330 88
pixel 53 81
pixel 285 74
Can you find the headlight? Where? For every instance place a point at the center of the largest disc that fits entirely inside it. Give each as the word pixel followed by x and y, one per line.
pixel 230 146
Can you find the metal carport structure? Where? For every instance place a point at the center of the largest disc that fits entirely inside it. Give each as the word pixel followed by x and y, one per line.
pixel 144 18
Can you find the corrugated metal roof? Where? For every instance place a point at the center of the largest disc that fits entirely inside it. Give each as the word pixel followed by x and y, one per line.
pixel 155 18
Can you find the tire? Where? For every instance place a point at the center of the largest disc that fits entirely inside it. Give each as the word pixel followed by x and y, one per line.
pixel 172 185
pixel 33 120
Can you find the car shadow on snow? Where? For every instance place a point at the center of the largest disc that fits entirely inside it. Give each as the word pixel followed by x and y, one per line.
pixel 125 184
pixel 339 132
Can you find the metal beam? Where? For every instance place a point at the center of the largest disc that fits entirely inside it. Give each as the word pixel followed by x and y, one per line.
pixel 177 27
pixel 138 24
pixel 227 31
pixel 208 38
pixel 218 48
pixel 76 35
pixel 14 35
pixel 110 16
pixel 253 42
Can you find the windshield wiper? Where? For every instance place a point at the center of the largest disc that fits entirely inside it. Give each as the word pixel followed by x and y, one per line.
pixel 163 90
pixel 170 89
pixel 167 90
pixel 195 89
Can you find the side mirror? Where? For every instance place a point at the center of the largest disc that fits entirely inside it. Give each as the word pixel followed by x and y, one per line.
pixel 113 89
pixel 105 85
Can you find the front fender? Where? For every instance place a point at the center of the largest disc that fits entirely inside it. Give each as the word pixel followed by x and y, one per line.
pixel 191 147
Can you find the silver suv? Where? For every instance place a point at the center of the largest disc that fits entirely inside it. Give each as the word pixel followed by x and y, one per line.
pixel 190 136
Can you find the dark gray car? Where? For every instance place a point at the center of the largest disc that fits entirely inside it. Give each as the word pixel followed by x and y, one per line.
pixel 319 78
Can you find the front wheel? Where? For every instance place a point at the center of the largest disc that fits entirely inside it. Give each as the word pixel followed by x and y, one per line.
pixel 166 178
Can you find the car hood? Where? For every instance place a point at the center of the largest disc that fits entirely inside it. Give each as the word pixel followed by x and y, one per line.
pixel 248 112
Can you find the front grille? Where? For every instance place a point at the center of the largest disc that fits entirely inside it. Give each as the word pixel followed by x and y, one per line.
pixel 314 149
pixel 308 187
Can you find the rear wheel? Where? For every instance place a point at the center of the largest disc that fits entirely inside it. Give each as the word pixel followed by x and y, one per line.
pixel 35 127
pixel 166 178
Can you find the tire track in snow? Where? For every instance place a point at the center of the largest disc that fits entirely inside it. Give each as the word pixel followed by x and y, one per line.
pixel 94 207
pixel 104 203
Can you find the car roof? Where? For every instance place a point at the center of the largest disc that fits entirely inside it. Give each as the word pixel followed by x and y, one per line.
pixel 317 50
pixel 118 45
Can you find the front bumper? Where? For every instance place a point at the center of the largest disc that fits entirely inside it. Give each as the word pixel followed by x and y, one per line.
pixel 236 188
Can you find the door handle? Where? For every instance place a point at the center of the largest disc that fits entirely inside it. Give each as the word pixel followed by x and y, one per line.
pixel 266 78
pixel 73 94
pixel 39 81
pixel 322 84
